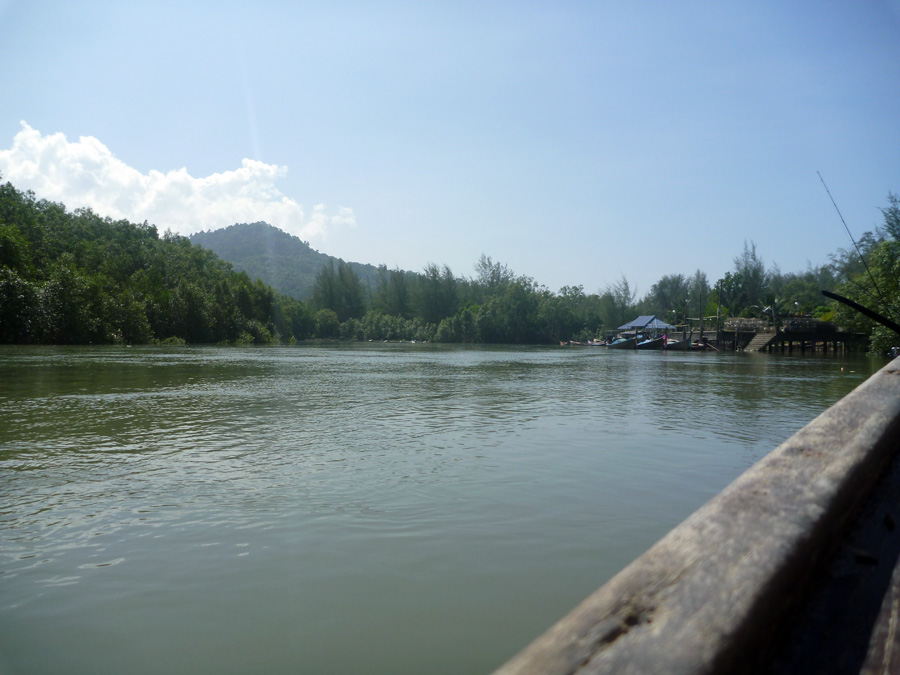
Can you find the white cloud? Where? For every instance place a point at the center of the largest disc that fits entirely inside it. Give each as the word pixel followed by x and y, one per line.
pixel 87 174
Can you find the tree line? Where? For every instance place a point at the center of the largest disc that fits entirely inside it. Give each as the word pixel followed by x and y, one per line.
pixel 78 278
pixel 496 305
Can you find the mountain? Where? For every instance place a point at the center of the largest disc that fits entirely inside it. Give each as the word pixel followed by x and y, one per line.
pixel 281 260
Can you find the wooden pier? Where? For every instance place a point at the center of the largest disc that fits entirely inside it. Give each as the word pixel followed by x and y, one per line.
pixel 788 341
pixel 793 568
pixel 799 335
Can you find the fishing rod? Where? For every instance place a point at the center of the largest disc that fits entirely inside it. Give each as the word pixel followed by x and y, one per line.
pixel 885 321
pixel 872 314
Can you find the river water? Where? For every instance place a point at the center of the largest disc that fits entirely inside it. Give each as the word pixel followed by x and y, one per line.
pixel 370 508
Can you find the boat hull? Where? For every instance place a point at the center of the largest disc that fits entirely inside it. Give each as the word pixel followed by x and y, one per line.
pixel 678 346
pixel 654 343
pixel 622 344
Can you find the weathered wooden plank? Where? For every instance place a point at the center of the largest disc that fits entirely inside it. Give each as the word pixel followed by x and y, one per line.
pixel 720 591
pixel 850 623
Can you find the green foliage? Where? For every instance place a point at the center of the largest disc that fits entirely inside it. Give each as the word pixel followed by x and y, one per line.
pixel 392 292
pixel 339 289
pixel 698 296
pixel 492 276
pixel 880 292
pixel 743 290
pixel 77 278
pixel 512 315
pixel 461 327
pixel 15 250
pixel 19 309
pixel 327 324
pixel 675 298
pixel 892 217
pixel 399 300
pixel 869 274
pixel 437 294
pixel 667 296
pixel 294 319
pixel 617 304
pixel 801 293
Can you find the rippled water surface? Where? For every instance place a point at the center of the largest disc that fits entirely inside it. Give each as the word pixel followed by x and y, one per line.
pixel 397 508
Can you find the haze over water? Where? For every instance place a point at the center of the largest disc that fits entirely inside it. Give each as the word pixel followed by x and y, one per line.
pixel 366 508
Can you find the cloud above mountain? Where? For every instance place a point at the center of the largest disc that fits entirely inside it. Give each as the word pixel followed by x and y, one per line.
pixel 87 174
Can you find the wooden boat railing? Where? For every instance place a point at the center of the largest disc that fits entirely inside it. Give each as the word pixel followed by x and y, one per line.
pixel 791 568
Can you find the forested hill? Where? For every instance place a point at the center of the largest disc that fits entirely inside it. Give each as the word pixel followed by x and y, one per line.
pixel 77 278
pixel 281 260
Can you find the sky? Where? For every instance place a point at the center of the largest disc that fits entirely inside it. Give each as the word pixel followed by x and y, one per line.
pixel 576 142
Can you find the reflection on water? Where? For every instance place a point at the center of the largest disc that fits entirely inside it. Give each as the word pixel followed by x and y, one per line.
pixel 361 508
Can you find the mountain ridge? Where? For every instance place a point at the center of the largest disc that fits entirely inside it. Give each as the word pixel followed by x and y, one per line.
pixel 282 260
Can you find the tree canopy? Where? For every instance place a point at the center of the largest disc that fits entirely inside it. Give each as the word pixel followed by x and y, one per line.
pixel 78 278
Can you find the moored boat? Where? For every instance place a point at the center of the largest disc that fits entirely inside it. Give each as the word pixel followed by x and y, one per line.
pixel 678 346
pixel 622 343
pixel 703 346
pixel 652 343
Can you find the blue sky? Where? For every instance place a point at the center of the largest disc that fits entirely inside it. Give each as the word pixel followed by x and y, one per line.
pixel 574 141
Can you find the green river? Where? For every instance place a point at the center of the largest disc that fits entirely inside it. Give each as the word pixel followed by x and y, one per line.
pixel 364 508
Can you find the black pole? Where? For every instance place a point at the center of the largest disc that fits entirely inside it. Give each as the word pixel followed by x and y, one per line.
pixel 865 311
